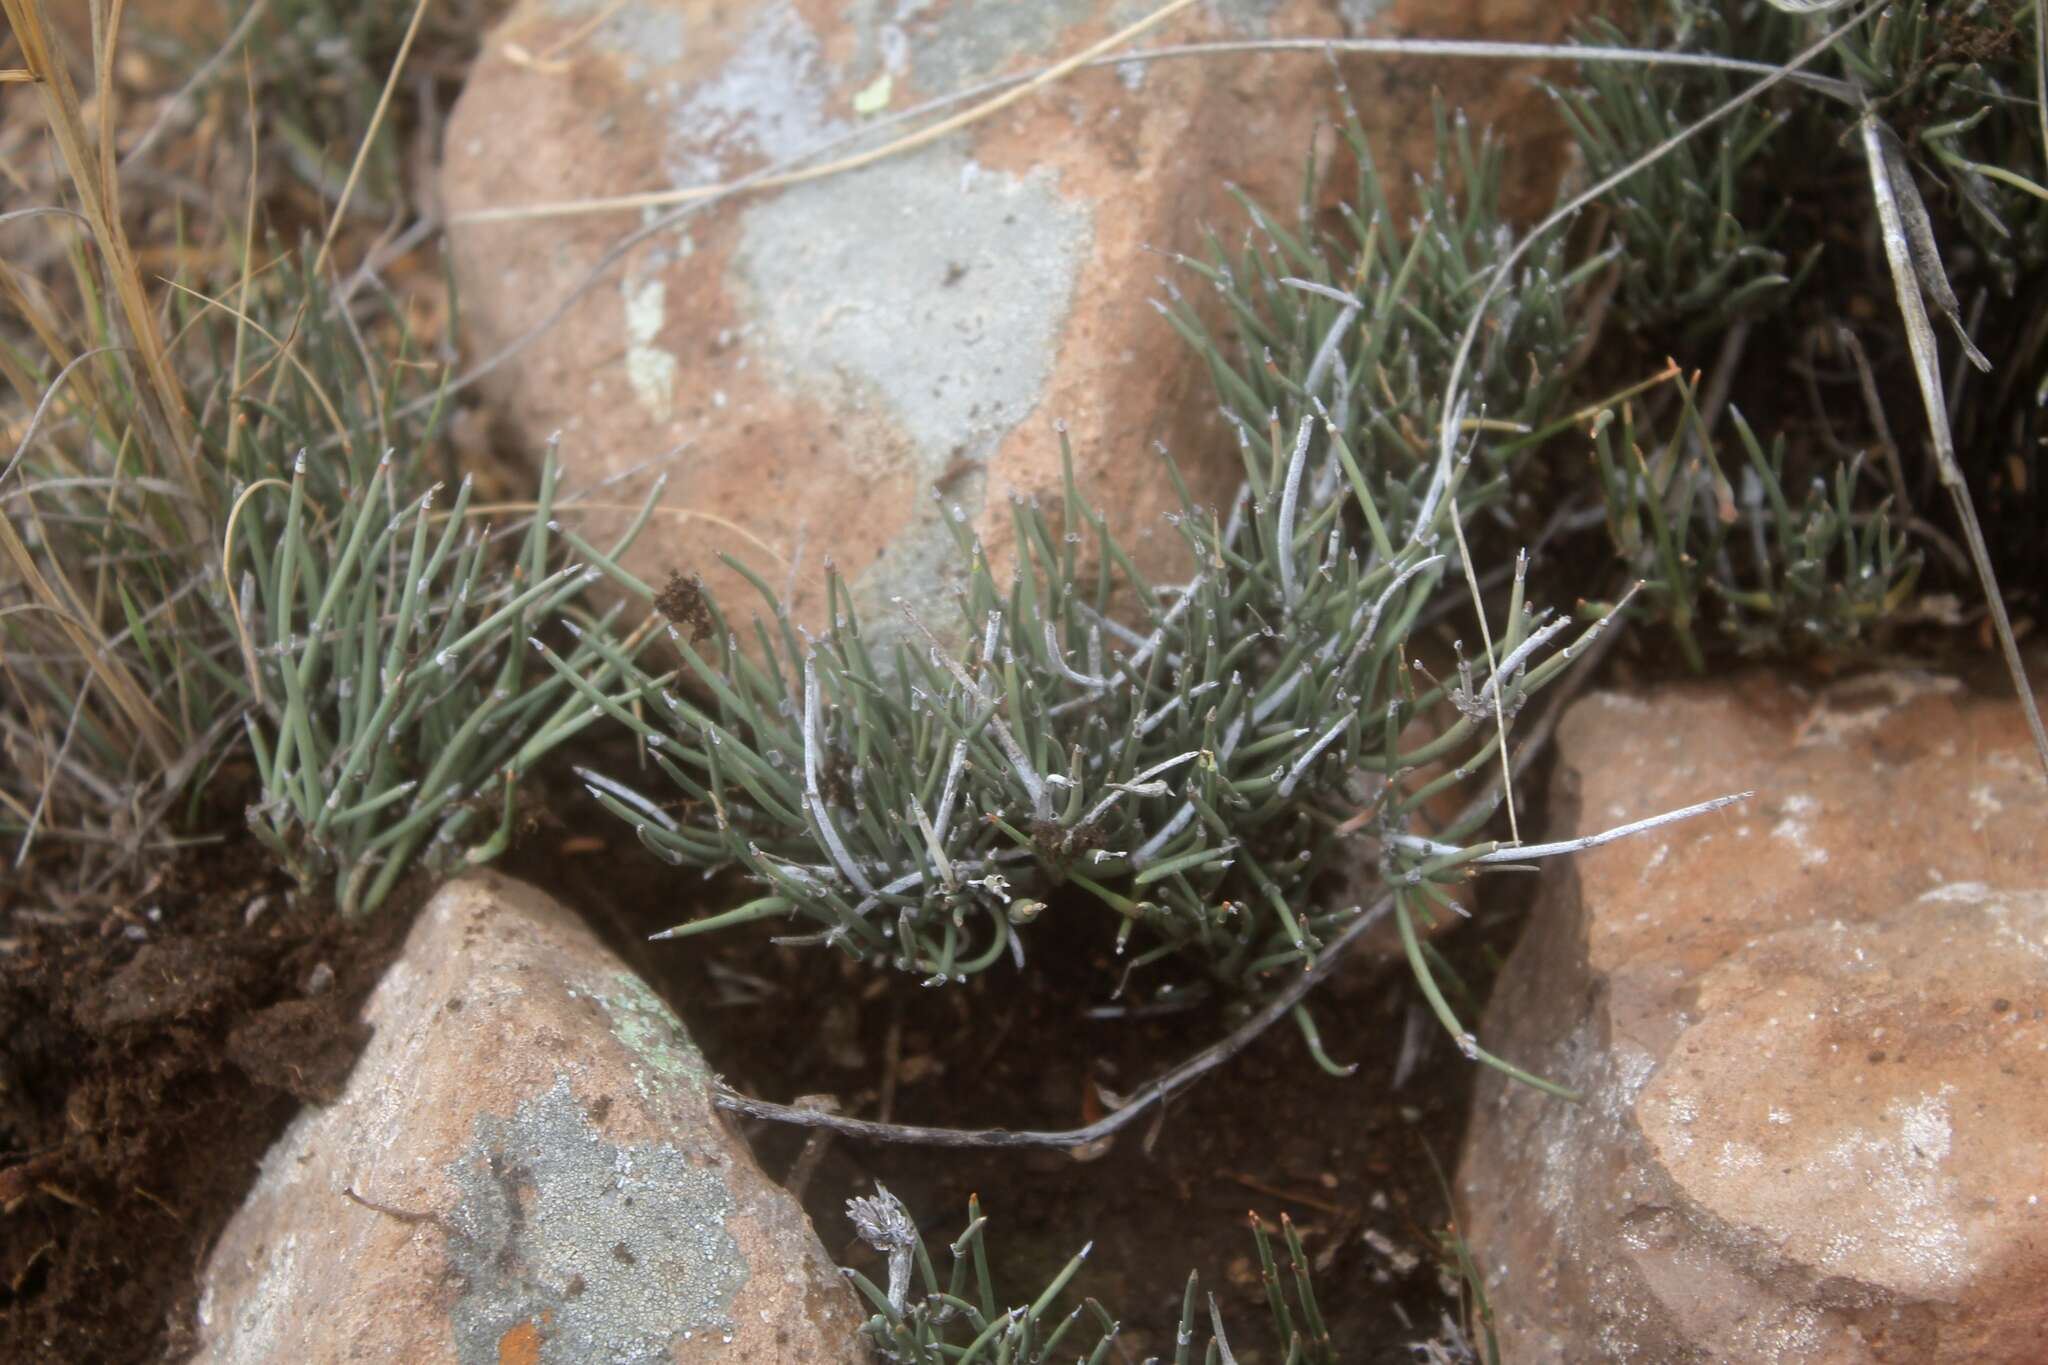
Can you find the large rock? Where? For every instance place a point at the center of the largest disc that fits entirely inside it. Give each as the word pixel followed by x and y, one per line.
pixel 1809 1030
pixel 526 1167
pixel 826 371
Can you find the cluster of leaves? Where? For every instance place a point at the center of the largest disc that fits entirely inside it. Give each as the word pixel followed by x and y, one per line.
pixel 1711 232
pixel 1806 549
pixel 919 1321
pixel 387 692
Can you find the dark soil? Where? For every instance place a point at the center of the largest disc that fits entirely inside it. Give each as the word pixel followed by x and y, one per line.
pixel 1353 1161
pixel 151 1049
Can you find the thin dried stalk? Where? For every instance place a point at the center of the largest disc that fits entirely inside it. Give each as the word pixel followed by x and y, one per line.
pixel 1908 271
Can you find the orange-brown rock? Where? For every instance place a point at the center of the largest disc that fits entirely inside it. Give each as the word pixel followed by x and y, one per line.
pixel 828 370
pixel 526 1166
pixel 1811 1033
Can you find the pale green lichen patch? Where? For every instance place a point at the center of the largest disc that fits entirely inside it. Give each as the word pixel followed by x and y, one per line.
pixel 928 291
pixel 594 1251
pixel 663 1055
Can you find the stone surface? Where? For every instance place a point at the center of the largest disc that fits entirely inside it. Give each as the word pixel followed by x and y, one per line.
pixel 1811 1032
pixel 525 1167
pixel 828 370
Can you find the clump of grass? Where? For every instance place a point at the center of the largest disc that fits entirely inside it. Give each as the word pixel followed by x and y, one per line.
pixel 390 700
pixel 1713 242
pixel 1705 242
pixel 1725 227
pixel 1177 760
pixel 1363 335
pixel 1787 577
pixel 393 699
pixel 917 1320
pixel 220 540
pixel 1357 328
pixel 102 494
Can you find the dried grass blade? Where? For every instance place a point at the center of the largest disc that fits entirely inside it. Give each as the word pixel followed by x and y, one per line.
pixel 1920 339
pixel 1920 243
pixel 62 110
